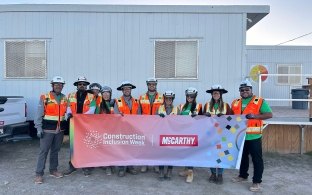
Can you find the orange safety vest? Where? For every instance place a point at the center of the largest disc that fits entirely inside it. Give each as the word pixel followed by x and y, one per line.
pixel 147 107
pixel 123 107
pixel 54 113
pixel 197 108
pixel 162 110
pixel 72 98
pixel 214 111
pixel 254 126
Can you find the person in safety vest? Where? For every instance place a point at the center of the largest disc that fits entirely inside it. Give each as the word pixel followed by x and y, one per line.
pixel 216 107
pixel 80 102
pixel 150 102
pixel 256 109
pixel 95 88
pixel 50 123
pixel 167 108
pixel 126 104
pixel 107 107
pixel 193 109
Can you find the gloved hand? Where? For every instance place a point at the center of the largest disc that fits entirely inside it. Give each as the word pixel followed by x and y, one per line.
pixel 250 116
pixel 162 115
pixel 207 114
pixel 69 116
pixel 193 115
pixel 220 114
pixel 39 133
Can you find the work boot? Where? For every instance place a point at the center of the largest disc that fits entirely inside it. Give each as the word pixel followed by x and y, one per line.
pixel 156 169
pixel 190 176
pixel 131 170
pixel 161 176
pixel 255 187
pixel 121 172
pixel 183 173
pixel 70 170
pixel 108 171
pixel 56 174
pixel 213 178
pixel 219 179
pixel 38 179
pixel 144 169
pixel 168 174
pixel 86 172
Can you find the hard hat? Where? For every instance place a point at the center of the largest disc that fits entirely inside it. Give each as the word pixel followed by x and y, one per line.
pixel 106 89
pixel 81 79
pixel 169 94
pixel 217 87
pixel 126 84
pixel 191 91
pixel 245 83
pixel 58 79
pixel 95 86
pixel 151 80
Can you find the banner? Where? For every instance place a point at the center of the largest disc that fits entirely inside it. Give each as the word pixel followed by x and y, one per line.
pixel 108 139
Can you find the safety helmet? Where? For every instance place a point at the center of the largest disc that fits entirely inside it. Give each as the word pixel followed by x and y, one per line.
pixel 151 80
pixel 58 79
pixel 81 79
pixel 95 86
pixel 125 84
pixel 217 87
pixel 191 91
pixel 245 83
pixel 106 89
pixel 169 94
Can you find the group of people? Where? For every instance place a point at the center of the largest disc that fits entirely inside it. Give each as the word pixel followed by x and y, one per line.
pixel 55 109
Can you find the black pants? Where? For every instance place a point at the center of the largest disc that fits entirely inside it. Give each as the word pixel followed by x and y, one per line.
pixel 254 148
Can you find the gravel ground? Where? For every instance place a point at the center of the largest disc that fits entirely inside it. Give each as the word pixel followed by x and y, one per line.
pixel 283 174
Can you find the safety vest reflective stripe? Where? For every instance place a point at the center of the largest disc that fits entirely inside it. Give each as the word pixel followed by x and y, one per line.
pixel 73 102
pixel 123 107
pixel 215 112
pixel 196 111
pixel 254 130
pixel 54 118
pixel 147 107
pixel 162 110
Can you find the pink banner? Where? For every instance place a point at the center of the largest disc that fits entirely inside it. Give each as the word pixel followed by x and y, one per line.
pixel 103 140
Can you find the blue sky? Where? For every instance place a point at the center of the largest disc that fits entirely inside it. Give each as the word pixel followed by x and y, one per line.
pixel 287 20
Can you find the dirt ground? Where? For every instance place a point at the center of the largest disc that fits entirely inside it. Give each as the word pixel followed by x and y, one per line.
pixel 283 174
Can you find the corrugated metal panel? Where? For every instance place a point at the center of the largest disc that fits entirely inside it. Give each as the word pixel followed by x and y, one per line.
pixel 111 47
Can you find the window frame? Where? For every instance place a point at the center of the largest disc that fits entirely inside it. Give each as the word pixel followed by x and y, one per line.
pixel 178 40
pixel 45 76
pixel 288 77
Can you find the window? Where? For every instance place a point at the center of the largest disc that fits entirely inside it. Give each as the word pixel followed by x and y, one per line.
pixel 25 59
pixel 175 59
pixel 289 69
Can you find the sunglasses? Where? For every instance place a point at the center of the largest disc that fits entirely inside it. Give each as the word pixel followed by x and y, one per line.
pixel 191 96
pixel 243 90
pixel 82 84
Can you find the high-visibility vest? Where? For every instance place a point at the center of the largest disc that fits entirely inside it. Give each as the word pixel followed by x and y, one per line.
pixel 214 111
pixel 196 110
pixel 54 113
pixel 147 107
pixel 98 101
pixel 123 107
pixel 254 126
pixel 162 110
pixel 72 98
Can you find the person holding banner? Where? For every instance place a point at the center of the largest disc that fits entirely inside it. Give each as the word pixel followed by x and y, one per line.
pixel 80 102
pixel 126 104
pixel 193 109
pixel 216 107
pixel 167 108
pixel 50 123
pixel 107 107
pixel 256 110
pixel 149 103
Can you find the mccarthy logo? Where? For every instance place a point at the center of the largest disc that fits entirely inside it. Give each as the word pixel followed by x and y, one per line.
pixel 178 140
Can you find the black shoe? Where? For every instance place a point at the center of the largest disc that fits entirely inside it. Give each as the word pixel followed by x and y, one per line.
pixel 219 179
pixel 161 176
pixel 69 171
pixel 86 172
pixel 121 173
pixel 168 174
pixel 131 170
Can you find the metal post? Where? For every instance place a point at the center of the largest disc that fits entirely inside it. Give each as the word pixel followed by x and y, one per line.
pixel 259 84
pixel 302 139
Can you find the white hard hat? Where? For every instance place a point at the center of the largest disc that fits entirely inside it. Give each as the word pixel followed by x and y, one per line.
pixel 125 84
pixel 106 89
pixel 58 79
pixel 169 94
pixel 191 91
pixel 151 80
pixel 217 87
pixel 245 83
pixel 81 79
pixel 95 86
